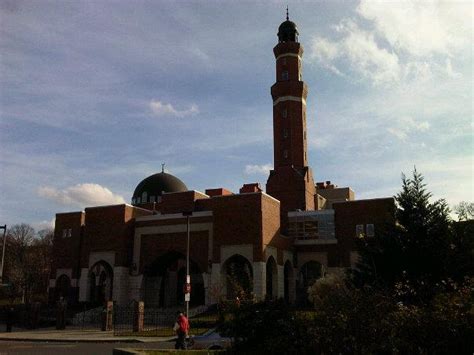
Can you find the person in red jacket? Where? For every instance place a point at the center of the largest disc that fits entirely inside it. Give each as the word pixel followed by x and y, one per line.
pixel 182 329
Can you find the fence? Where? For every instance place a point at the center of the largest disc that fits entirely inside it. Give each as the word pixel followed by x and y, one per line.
pixel 126 320
pixel 159 321
pixel 36 315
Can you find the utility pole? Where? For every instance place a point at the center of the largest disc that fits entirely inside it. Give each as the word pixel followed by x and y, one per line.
pixel 187 288
pixel 4 227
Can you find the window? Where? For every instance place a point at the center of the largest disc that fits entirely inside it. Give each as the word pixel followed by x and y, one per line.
pixel 67 233
pixel 360 231
pixel 370 230
pixel 152 199
pixel 284 75
pixel 138 200
pixel 283 61
pixel 285 133
pixel 284 113
pixel 144 196
pixel 285 154
pixel 304 135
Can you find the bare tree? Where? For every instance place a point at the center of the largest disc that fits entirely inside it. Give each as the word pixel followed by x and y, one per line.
pixel 28 260
pixel 464 210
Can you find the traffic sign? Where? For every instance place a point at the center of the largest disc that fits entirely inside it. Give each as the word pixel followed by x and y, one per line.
pixel 187 288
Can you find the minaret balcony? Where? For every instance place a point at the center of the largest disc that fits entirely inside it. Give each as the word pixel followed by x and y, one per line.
pixel 289 88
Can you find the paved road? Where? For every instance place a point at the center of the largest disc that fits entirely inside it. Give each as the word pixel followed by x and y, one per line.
pixel 40 348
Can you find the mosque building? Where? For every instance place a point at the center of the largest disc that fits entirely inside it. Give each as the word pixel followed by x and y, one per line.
pixel 267 244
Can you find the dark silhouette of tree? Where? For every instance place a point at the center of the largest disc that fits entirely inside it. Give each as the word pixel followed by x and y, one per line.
pixel 28 261
pixel 419 253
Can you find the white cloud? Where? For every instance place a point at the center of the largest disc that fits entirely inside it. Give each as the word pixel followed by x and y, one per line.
pixel 162 109
pixel 421 28
pixel 407 125
pixel 258 169
pixel 44 225
pixel 82 195
pixel 360 50
pixel 389 42
pixel 449 70
pixel 319 141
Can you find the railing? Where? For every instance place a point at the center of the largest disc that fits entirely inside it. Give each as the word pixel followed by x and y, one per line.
pixel 159 321
pixel 35 315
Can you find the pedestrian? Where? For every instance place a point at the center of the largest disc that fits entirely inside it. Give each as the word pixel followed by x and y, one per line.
pixel 181 327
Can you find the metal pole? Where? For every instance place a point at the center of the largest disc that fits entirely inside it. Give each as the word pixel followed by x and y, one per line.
pixel 3 252
pixel 188 279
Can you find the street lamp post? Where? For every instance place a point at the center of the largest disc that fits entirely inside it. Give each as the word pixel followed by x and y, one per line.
pixel 4 227
pixel 187 294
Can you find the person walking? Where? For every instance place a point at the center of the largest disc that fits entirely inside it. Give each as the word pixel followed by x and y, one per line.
pixel 181 327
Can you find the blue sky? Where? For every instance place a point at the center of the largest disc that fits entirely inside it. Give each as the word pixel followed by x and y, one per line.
pixel 95 95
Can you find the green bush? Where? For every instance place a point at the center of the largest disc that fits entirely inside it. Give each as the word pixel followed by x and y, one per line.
pixel 269 328
pixel 369 321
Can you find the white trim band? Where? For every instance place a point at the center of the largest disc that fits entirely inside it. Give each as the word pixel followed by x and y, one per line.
pixel 289 98
pixel 158 217
pixel 288 55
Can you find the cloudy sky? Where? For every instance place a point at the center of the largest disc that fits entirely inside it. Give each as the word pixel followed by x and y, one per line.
pixel 95 95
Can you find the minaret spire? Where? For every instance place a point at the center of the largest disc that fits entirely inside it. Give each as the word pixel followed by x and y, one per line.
pixel 291 180
pixel 287 16
pixel 163 167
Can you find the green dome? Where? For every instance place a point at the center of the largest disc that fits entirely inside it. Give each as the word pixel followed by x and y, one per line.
pixel 151 189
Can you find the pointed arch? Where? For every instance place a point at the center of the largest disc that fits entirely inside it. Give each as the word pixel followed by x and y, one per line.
pixel 164 279
pixel 289 282
pixel 101 280
pixel 238 275
pixel 271 278
pixel 308 274
pixel 63 287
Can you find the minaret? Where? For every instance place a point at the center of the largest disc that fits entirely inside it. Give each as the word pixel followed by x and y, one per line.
pixel 291 180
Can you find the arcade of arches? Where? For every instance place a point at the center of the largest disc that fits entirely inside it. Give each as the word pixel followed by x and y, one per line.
pixel 163 281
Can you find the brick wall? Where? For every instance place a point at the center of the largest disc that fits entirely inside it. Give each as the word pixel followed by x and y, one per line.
pixel 66 249
pixel 155 246
pixel 180 201
pixel 110 228
pixel 380 212
pixel 237 220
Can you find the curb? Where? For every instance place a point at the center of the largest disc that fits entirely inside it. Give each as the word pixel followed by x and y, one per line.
pixel 76 340
pixel 125 351
pixel 69 340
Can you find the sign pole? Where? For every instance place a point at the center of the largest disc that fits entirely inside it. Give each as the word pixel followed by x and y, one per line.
pixel 4 227
pixel 187 294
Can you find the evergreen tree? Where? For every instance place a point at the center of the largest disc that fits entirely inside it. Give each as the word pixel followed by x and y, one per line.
pixel 417 255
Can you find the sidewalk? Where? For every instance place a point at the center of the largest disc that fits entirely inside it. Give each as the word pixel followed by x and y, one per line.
pixel 75 335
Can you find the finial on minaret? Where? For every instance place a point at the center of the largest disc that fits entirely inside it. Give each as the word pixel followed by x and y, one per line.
pixel 163 167
pixel 287 16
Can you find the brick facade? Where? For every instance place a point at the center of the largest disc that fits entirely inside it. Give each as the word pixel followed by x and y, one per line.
pixel 124 252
